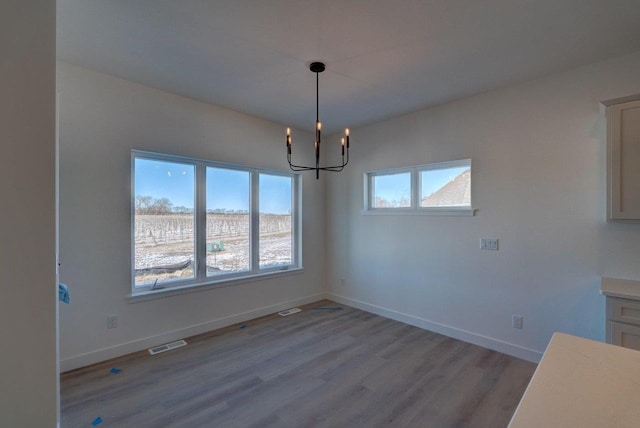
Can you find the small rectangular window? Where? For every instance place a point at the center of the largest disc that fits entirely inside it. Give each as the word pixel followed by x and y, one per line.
pixel 437 188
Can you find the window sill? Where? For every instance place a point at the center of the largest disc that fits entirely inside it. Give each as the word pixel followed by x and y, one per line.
pixel 469 212
pixel 144 295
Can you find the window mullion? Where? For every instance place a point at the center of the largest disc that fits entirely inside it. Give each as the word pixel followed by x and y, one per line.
pixel 201 220
pixel 296 208
pixel 415 196
pixel 254 233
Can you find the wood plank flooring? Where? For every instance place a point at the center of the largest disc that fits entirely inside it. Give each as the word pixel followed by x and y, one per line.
pixel 316 368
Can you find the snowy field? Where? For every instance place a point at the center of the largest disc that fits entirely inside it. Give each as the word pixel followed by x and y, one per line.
pixel 165 240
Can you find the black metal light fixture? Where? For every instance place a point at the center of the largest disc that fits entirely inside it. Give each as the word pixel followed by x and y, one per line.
pixel 318 67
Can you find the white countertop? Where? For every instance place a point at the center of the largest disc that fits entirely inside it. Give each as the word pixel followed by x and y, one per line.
pixel 582 383
pixel 623 288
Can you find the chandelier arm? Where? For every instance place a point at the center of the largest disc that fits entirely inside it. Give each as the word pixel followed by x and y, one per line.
pixel 301 167
pixel 321 168
pixel 298 169
pixel 337 168
pixel 334 168
pixel 295 167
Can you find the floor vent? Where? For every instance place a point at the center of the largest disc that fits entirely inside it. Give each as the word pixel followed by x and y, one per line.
pixel 289 312
pixel 167 347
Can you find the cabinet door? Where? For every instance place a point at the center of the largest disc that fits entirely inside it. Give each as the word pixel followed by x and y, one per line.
pixel 623 161
pixel 623 310
pixel 625 335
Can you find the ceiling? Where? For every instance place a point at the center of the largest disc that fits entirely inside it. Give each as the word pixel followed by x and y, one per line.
pixel 384 57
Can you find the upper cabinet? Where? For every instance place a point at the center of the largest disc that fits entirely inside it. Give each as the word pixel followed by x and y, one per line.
pixel 623 160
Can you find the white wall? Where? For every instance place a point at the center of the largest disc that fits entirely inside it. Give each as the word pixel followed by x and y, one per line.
pixel 538 181
pixel 101 119
pixel 28 371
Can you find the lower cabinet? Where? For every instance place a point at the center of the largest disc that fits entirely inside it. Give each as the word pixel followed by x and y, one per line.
pixel 623 322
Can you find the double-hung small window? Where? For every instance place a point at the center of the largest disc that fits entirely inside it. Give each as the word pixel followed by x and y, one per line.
pixel 200 222
pixel 437 188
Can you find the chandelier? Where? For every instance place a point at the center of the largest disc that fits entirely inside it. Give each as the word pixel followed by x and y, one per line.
pixel 318 67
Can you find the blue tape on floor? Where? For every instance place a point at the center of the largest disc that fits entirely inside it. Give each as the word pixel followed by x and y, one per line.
pixel 115 370
pixel 97 421
pixel 328 308
pixel 243 326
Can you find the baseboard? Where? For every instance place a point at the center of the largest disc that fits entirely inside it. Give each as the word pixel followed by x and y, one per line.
pixel 103 354
pixel 456 333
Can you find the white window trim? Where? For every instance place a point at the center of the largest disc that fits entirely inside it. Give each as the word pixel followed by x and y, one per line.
pixel 416 190
pixel 147 294
pixel 201 281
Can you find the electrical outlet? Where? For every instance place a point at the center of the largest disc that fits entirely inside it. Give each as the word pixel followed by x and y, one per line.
pixel 489 244
pixel 342 282
pixel 112 321
pixel 516 321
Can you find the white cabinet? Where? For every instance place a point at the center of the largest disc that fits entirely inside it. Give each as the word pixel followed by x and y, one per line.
pixel 625 335
pixel 623 312
pixel 623 322
pixel 623 160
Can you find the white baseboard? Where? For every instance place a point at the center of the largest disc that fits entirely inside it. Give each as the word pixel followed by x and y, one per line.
pixel 103 354
pixel 456 333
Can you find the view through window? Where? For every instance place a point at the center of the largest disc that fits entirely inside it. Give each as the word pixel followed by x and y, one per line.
pixel 446 187
pixel 228 221
pixel 435 187
pixel 164 221
pixel 244 224
pixel 275 220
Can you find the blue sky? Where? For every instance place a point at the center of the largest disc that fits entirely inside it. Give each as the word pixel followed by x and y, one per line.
pixel 226 189
pixel 393 187
pixel 161 179
pixel 275 194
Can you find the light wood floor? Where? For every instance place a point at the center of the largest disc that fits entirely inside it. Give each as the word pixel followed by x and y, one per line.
pixel 345 368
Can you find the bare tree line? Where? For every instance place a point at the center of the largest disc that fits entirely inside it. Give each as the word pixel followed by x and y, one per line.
pixel 148 205
pixel 156 229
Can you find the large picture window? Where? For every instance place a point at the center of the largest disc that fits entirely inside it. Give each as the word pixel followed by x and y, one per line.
pixel 437 188
pixel 199 222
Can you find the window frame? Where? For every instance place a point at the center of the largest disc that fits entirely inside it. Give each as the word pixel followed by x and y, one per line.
pixel 200 278
pixel 416 191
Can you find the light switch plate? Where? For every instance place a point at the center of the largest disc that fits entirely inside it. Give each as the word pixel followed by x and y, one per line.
pixel 489 244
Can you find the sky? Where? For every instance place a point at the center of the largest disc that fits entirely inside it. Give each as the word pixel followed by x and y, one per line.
pixel 226 189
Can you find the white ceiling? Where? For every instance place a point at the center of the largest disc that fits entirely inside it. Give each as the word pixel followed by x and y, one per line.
pixel 384 58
